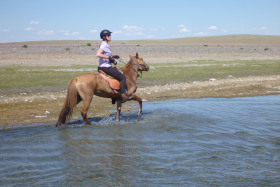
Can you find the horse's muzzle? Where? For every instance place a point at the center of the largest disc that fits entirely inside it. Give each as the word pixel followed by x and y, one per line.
pixel 147 68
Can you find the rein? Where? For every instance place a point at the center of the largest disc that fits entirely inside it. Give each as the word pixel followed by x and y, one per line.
pixel 137 64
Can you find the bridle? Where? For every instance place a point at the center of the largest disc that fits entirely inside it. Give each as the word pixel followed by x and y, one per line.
pixel 134 65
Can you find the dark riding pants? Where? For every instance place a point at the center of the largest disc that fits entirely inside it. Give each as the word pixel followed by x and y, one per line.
pixel 114 72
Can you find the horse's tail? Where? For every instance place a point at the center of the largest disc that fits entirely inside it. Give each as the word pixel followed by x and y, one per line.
pixel 72 99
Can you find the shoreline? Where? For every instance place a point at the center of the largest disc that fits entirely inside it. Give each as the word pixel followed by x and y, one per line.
pixel 41 107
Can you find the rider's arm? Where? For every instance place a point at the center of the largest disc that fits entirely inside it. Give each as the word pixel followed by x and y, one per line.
pixel 100 54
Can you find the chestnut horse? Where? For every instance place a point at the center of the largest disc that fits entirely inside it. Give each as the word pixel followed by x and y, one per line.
pixel 83 87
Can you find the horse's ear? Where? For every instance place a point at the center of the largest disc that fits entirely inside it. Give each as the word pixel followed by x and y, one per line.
pixel 130 56
pixel 136 55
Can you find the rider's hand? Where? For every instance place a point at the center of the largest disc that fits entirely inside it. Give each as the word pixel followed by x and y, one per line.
pixel 116 56
pixel 112 60
pixel 115 62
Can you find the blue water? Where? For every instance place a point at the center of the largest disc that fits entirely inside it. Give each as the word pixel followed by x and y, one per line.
pixel 185 142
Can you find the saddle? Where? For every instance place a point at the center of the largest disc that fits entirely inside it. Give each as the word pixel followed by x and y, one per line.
pixel 113 83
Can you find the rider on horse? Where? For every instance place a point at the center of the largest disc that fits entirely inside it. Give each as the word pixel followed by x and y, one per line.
pixel 106 59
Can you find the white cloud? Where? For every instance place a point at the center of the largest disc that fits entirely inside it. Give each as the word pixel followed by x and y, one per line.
pixel 5 30
pixel 71 33
pixel 34 22
pixel 182 26
pixel 185 30
pixel 213 27
pixel 132 28
pixel 28 29
pixel 225 31
pixel 93 31
pixel 46 32
pixel 134 33
pixel 263 28
pixel 118 32
pixel 151 36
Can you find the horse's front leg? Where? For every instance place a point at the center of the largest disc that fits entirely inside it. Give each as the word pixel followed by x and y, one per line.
pixel 136 98
pixel 119 109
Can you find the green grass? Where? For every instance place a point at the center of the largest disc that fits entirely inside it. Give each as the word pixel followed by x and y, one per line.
pixel 30 76
pixel 204 70
pixel 160 73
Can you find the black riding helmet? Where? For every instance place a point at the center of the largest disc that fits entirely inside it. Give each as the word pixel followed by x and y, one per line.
pixel 104 33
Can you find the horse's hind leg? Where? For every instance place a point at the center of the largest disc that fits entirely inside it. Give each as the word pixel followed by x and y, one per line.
pixel 86 102
pixel 87 98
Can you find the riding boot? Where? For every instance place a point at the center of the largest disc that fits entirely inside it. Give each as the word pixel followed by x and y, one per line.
pixel 124 97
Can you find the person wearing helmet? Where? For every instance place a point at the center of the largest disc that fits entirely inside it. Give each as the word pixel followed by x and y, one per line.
pixel 106 59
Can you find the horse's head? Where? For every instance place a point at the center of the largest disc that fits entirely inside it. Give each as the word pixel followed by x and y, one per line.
pixel 139 62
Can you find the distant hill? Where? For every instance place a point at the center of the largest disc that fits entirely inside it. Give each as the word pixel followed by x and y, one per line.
pixel 225 39
pixel 228 39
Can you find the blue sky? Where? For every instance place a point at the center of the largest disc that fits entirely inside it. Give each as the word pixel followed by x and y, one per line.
pixel 34 20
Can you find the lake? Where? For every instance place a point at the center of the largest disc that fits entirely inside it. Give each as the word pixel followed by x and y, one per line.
pixel 183 142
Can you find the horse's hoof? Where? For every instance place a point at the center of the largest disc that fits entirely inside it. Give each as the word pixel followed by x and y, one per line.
pixel 57 125
pixel 139 114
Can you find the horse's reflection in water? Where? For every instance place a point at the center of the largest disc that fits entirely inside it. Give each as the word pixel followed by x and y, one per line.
pixel 83 87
